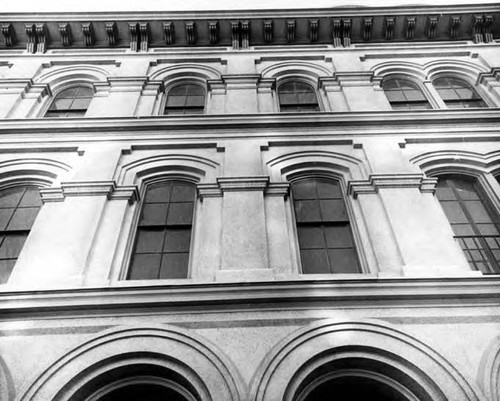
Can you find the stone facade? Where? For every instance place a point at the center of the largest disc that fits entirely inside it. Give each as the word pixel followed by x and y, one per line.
pixel 248 323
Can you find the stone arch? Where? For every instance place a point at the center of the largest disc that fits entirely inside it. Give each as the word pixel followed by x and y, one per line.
pixel 41 172
pixel 195 72
pixel 64 77
pixel 400 69
pixel 309 72
pixel 466 70
pixel 174 352
pixel 488 376
pixel 296 357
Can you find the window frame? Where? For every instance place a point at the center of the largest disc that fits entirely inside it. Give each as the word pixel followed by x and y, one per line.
pixel 134 232
pixel 428 97
pixel 300 80
pixel 476 87
pixel 63 88
pixel 177 83
pixel 354 229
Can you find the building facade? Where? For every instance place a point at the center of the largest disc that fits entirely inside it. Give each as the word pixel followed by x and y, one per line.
pixel 276 205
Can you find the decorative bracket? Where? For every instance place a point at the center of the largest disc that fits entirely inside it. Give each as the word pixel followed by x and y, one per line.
pixel 235 34
pixel 65 31
pixel 169 32
pixel 8 34
pixel 488 23
pixel 245 34
pixel 213 30
pixel 454 27
pixel 268 31
pixel 389 27
pixel 432 25
pixel 144 35
pixel 88 33
pixel 190 32
pixel 313 30
pixel 134 36
pixel 31 32
pixel 112 32
pixel 346 32
pixel 290 30
pixel 410 27
pixel 367 30
pixel 41 37
pixel 337 32
pixel 477 29
pixel 341 32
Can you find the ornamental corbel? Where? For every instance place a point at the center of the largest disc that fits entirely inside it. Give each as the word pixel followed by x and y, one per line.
pixel 169 32
pixel 390 22
pixel 313 30
pixel 41 38
pixel 245 34
pixel 290 30
pixel 454 26
pixel 410 27
pixel 112 32
pixel 133 29
pixel 65 32
pixel 31 33
pixel 8 34
pixel 190 32
pixel 88 34
pixel 268 31
pixel 432 23
pixel 367 28
pixel 213 32
pixel 144 36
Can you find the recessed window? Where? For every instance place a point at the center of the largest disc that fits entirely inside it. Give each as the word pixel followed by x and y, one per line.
pixel 325 237
pixel 19 207
pixel 457 93
pixel 297 97
pixel 164 232
pixel 473 220
pixel 405 95
pixel 185 99
pixel 71 102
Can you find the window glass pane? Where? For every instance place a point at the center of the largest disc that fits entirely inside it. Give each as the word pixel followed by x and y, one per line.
pixel 338 237
pixel 195 101
pixel 466 93
pixel 5 216
pixel 295 94
pixel 333 210
pixel 12 245
pixel 84 91
pixel 180 213
pixel 177 240
pixel 11 197
pixel 23 218
pixel 307 98
pixel 145 267
pixel 154 213
pixel 311 237
pixel 314 261
pixel 448 94
pixel 329 190
pixel 462 229
pixel 477 212
pixel 195 90
pixel 179 90
pixel 182 192
pixel 414 95
pixel 454 212
pixel 61 104
pixel 149 241
pixel 6 266
pixel 287 99
pixel 343 261
pixel 305 189
pixel 395 96
pixel 307 211
pixel 81 104
pixel 487 229
pixel 390 84
pixel 31 198
pixel 158 194
pixel 176 101
pixel 174 265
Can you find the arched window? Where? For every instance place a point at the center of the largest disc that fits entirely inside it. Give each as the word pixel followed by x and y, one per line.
pixel 19 207
pixel 325 238
pixel 164 232
pixel 473 220
pixel 297 96
pixel 404 95
pixel 185 99
pixel 457 93
pixel 71 102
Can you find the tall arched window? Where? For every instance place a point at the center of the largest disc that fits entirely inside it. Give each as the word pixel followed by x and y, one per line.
pixel 19 207
pixel 404 95
pixel 164 232
pixel 473 220
pixel 71 102
pixel 295 96
pixel 457 93
pixel 185 99
pixel 325 238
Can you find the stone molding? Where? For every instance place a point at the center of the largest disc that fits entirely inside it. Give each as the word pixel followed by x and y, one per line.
pixel 356 78
pixel 242 184
pixel 241 81
pixel 377 181
pixel 90 188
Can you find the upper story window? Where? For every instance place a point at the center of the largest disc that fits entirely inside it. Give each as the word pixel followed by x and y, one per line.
pixel 185 99
pixel 19 207
pixel 405 95
pixel 297 96
pixel 164 232
pixel 71 102
pixel 325 237
pixel 457 93
pixel 473 220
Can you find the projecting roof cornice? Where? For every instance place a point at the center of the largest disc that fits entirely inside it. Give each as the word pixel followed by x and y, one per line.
pixel 340 27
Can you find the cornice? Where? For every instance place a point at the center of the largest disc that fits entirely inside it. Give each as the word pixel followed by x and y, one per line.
pixel 108 189
pixel 356 293
pixel 340 27
pixel 381 119
pixel 378 181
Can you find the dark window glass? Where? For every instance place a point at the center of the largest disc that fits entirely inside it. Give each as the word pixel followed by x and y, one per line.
pixel 325 236
pixel 185 99
pixel 457 93
pixel 19 207
pixel 71 102
pixel 297 97
pixel 474 223
pixel 405 95
pixel 164 232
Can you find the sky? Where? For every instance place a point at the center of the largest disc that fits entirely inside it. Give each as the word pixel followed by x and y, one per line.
pixel 188 5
